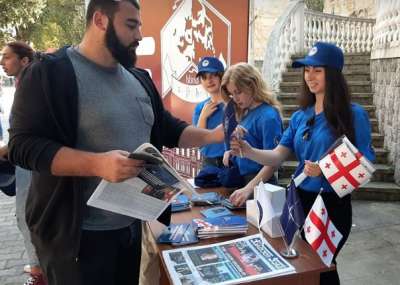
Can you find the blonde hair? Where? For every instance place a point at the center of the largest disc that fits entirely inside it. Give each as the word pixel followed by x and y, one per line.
pixel 247 78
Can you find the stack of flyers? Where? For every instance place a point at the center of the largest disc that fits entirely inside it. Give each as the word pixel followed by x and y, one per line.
pixel 181 203
pixel 178 234
pixel 227 203
pixel 209 198
pixel 216 212
pixel 221 226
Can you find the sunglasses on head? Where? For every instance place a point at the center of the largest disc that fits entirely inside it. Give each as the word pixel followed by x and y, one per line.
pixel 308 131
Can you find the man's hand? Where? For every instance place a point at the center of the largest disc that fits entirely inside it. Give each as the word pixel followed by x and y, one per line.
pixel 115 166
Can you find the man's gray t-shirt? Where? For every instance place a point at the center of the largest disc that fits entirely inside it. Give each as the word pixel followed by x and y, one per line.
pixel 114 113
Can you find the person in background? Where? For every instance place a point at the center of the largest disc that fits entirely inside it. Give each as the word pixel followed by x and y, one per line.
pixel 209 113
pixel 76 116
pixel 326 113
pixel 257 111
pixel 15 57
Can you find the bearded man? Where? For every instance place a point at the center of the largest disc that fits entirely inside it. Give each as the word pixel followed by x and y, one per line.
pixel 76 115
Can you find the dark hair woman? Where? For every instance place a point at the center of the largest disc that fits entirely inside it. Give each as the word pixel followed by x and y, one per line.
pixel 326 113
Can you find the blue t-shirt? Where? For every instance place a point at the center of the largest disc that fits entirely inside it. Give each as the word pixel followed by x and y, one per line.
pixel 264 130
pixel 320 138
pixel 215 149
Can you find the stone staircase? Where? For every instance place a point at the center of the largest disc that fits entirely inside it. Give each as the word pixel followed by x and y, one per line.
pixel 357 73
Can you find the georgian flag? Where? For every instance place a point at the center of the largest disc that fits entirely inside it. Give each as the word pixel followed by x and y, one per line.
pixel 346 168
pixel 320 232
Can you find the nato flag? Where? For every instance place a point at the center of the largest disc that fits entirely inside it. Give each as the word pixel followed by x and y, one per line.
pixel 229 123
pixel 292 217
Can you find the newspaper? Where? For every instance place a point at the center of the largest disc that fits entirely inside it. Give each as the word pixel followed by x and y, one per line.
pixel 231 262
pixel 146 196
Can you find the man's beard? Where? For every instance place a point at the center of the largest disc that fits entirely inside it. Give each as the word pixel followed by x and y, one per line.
pixel 126 56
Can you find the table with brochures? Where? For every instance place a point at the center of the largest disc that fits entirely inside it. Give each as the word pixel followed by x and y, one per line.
pixel 308 265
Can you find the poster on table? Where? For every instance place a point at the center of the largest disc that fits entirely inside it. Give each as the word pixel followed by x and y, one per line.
pixel 231 262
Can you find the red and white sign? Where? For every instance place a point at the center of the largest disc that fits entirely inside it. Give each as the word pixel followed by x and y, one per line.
pixel 344 169
pixel 320 232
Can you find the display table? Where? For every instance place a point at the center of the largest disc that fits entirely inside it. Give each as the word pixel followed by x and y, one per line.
pixel 308 264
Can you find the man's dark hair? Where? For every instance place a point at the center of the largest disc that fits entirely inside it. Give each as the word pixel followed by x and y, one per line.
pixel 22 50
pixel 108 7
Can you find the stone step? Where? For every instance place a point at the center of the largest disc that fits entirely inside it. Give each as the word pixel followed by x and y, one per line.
pixel 349 75
pixel 360 98
pixel 383 173
pixel 373 121
pixel 355 86
pixel 288 110
pixel 380 153
pixel 376 191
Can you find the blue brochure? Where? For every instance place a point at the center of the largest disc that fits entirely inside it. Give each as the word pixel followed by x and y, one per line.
pixel 229 205
pixel 216 212
pixel 181 203
pixel 233 221
pixel 178 234
pixel 189 237
pixel 173 233
pixel 209 198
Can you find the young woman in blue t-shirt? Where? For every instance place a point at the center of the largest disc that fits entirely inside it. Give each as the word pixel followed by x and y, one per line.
pixel 258 112
pixel 209 113
pixel 326 113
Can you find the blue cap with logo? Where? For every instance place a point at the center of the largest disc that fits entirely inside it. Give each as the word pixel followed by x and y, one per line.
pixel 322 54
pixel 210 64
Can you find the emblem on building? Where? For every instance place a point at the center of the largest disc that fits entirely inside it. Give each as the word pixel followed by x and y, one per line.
pixel 194 30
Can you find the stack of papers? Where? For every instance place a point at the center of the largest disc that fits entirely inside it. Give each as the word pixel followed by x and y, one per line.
pixel 221 226
pixel 204 199
pixel 181 203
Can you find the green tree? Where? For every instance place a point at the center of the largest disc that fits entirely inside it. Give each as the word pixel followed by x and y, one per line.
pixel 62 22
pixel 315 5
pixel 17 18
pixel 43 23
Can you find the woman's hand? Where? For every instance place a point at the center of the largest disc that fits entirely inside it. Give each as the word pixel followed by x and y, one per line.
pixel 225 159
pixel 240 196
pixel 311 169
pixel 240 147
pixel 209 108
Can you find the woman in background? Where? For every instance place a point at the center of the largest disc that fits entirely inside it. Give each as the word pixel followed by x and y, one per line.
pixel 15 57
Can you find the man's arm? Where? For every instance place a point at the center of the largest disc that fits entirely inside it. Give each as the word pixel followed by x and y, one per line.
pixel 195 137
pixel 113 166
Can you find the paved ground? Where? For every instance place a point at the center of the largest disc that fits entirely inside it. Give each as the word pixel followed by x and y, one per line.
pixel 371 255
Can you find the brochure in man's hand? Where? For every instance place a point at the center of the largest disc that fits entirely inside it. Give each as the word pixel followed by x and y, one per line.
pixel 145 196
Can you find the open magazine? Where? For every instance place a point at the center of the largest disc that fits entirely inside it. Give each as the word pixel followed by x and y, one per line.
pixel 231 262
pixel 146 196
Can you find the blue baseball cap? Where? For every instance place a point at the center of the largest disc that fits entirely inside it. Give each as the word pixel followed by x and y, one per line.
pixel 322 54
pixel 210 64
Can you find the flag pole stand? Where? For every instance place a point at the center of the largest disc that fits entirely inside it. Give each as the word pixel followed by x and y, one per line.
pixel 289 251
